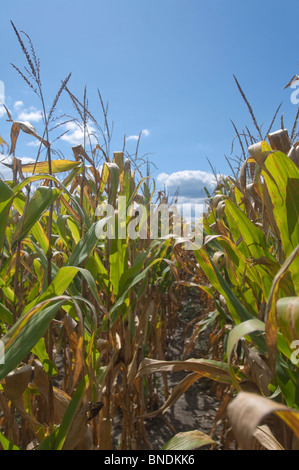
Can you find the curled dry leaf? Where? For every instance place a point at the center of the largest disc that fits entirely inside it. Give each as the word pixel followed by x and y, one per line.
pixel 265 437
pixel 14 134
pixel 257 370
pixel 79 435
pixel 16 382
pixel 279 140
pixel 247 411
pixel 80 153
pixel 26 127
pixel 200 368
pixel 205 367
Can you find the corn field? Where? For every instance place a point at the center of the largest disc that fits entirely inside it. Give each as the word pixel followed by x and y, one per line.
pixel 85 319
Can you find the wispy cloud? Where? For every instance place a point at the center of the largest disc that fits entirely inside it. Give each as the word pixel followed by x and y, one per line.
pixel 144 132
pixel 18 105
pixel 33 143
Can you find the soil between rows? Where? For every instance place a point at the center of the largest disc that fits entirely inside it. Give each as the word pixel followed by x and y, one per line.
pixel 196 408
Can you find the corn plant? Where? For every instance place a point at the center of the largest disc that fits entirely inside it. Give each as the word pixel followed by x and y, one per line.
pixel 250 256
pixel 79 310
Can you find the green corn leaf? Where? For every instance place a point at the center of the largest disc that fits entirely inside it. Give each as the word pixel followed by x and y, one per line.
pixel 25 333
pixel 40 201
pixel 5 315
pixel 37 229
pixel 85 247
pixel 236 309
pixel 41 352
pixel 7 444
pixel 58 286
pixel 6 193
pixel 282 179
pixel 271 313
pixel 30 327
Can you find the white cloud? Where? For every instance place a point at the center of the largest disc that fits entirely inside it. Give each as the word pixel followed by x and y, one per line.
pixel 185 189
pixel 32 115
pixel 188 184
pixel 144 132
pixel 75 135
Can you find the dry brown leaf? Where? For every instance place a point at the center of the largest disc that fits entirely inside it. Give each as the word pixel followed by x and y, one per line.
pixel 80 152
pixel 266 438
pixel 69 324
pixel 79 435
pixel 61 402
pixel 294 154
pixel 106 434
pixel 79 360
pixel 247 411
pixel 132 368
pixel 6 410
pixel 26 127
pixel 69 208
pixel 16 382
pixel 206 367
pixel 257 370
pixel 36 427
pixel 14 134
pixel 293 79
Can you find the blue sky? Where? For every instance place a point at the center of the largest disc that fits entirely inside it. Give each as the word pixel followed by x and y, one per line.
pixel 165 67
